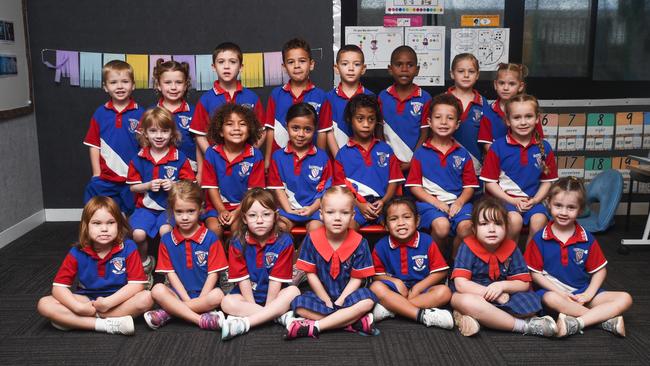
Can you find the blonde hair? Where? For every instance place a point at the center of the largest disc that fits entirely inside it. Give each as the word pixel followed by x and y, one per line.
pixel 527 98
pixel 337 190
pixel 520 69
pixel 184 190
pixel 464 56
pixel 161 118
pixel 163 66
pixel 569 184
pixel 95 204
pixel 117 66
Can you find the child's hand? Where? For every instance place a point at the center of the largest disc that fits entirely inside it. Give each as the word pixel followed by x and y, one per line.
pixel 367 210
pixel 224 217
pixel 454 209
pixel 155 185
pixel 521 203
pixel 581 299
pixel 493 291
pixel 339 302
pixel 442 206
pixel 377 206
pixel 100 305
pixel 166 184
pixel 85 309
pixel 329 304
pixel 504 298
pixel 232 215
pixel 305 211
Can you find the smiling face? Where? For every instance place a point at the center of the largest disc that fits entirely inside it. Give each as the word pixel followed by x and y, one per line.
pixel 119 85
pixel 521 118
pixel 465 74
pixel 565 208
pixel 102 229
pixel 350 67
pixel 172 85
pixel 298 64
pixel 259 220
pixel 508 84
pixel 301 132
pixel 444 120
pixel 235 129
pixel 186 215
pixel 158 137
pixel 401 222
pixel 337 210
pixel 227 66
pixel 404 68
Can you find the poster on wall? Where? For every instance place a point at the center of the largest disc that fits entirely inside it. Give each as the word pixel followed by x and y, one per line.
pixel 415 6
pixel 8 65
pixel 429 44
pixel 377 43
pixel 490 46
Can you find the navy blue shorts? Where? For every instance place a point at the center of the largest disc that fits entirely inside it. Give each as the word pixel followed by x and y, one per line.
pixel 538 208
pixel 300 219
pixel 429 212
pixel 119 192
pixel 150 220
pixel 310 301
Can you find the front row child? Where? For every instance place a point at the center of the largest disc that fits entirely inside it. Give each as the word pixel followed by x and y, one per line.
pixel 568 267
pixel 191 256
pixel 336 260
pixel 491 282
pixel 410 270
pixel 260 258
pixel 109 272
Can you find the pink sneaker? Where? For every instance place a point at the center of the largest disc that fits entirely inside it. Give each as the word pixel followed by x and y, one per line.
pixel 156 318
pixel 301 328
pixel 364 325
pixel 212 320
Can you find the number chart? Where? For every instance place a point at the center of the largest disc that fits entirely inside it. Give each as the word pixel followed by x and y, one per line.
pixel 600 131
pixel 549 123
pixel 571 132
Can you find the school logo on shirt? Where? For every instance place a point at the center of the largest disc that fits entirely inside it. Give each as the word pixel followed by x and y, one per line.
pixel 478 114
pixel 250 106
pixel 315 172
pixel 538 160
pixel 416 108
pixel 382 159
pixel 133 124
pixel 245 168
pixel 579 255
pixel 118 265
pixel 201 257
pixel 185 122
pixel 458 162
pixel 419 262
pixel 315 105
pixel 170 172
pixel 269 259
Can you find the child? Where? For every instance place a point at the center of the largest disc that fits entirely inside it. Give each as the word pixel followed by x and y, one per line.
pixel 191 257
pixel 365 163
pixel 442 176
pixel 260 264
pixel 232 166
pixel 491 282
pixel 297 61
pixel 336 260
pixel 333 130
pixel 410 271
pixel 519 168
pixel 111 137
pixel 300 172
pixel 107 267
pixel 151 174
pixel 568 267
pixel 405 106
pixel 172 81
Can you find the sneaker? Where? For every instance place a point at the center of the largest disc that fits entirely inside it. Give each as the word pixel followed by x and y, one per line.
pixel 566 326
pixel 614 325
pixel 541 326
pixel 224 285
pixel 234 326
pixel 60 327
pixel 122 325
pixel 440 318
pixel 364 325
pixel 156 318
pixel 298 276
pixel 467 325
pixel 379 312
pixel 286 318
pixel 149 285
pixel 149 264
pixel 301 328
pixel 211 321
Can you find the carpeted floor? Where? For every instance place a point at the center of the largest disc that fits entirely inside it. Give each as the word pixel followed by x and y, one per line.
pixel 28 265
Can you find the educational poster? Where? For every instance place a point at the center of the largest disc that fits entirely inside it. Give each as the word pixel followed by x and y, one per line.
pixel 622 164
pixel 549 123
pixel 593 167
pixel 8 65
pixel 487 20
pixel 571 166
pixel 274 73
pixel 571 131
pixel 189 59
pixel 600 131
pixel 629 129
pixel 415 6
pixel 490 46
pixel 377 43
pixel 429 44
pixel 403 21
pixel 646 130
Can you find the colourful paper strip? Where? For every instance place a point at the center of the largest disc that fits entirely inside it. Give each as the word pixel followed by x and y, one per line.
pixel 140 64
pixel 252 74
pixel 90 69
pixel 204 75
pixel 190 61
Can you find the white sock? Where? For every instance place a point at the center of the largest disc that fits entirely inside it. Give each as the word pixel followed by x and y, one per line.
pixel 581 323
pixel 248 323
pixel 100 325
pixel 317 325
pixel 520 326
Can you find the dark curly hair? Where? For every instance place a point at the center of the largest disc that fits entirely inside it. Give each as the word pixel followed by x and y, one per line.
pixel 220 115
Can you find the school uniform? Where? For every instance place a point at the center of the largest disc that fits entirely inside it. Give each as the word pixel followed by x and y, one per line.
pixel 260 263
pixel 470 120
pixel 443 175
pixel 101 277
pixel 506 263
pixel 334 268
pixel 183 118
pixel 568 265
pixel 410 262
pixel 493 124
pixel 191 258
pixel 304 180
pixel 332 114
pixel 403 119
pixel 518 170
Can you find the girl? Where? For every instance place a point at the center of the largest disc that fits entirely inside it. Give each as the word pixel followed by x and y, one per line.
pixel 410 271
pixel 301 172
pixel 232 166
pixel 151 173
pixel 336 261
pixel 568 267
pixel 520 167
pixel 365 163
pixel 191 257
pixel 491 281
pixel 260 258
pixel 108 270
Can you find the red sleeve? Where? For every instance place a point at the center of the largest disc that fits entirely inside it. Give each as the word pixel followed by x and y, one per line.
pixel 92 136
pixel 259 111
pixel 469 174
pixel 327 175
pixel 273 180
pixel 380 269
pixel 595 259
pixel 491 167
pixel 283 268
pixel 133 176
pixel 338 178
pixel 533 257
pixel 256 179
pixel 425 115
pixel 461 272
pixel 200 120
pixel 186 172
pixel 217 260
pixel 164 263
pixel 485 131
pixel 552 167
pixel 395 173
pixel 67 272
pixel 325 117
pixel 270 113
pixel 134 270
pixel 415 173
pixel 437 262
pixel 209 177
pixel 237 269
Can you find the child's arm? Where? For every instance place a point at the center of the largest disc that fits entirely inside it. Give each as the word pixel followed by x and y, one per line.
pixel 321 140
pixel 283 200
pixel 544 187
pixel 595 283
pixel 331 142
pixel 203 144
pixel 177 285
pixel 94 161
pixel 379 204
pixel 246 289
pixel 319 289
pixel 401 287
pixel 104 304
pixel 543 282
pixel 199 163
pixel 309 210
pixel 222 212
pixel 67 299
pixel 210 283
pixel 464 197
pixel 430 280
pixel 274 290
pixel 495 190
pixel 268 151
pixel 352 286
pixel 423 196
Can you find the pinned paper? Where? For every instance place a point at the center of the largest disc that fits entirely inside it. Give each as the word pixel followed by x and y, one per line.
pixel 622 164
pixel 629 128
pixel 252 74
pixel 140 64
pixel 571 166
pixel 403 21
pixel 152 63
pixel 429 45
pixel 190 61
pixel 490 46
pixel 66 65
pixel 377 43
pixel 90 69
pixel 113 56
pixel 549 123
pixel 571 132
pixel 415 6
pixel 594 166
pixel 274 73
pixel 205 76
pixel 600 131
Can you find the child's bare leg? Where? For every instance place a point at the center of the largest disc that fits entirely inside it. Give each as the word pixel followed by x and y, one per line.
pixel 164 229
pixel 140 238
pixel 439 231
pixel 135 306
pixel 393 301
pixel 606 305
pixel 487 314
pixel 436 296
pixel 463 229
pixel 285 224
pixel 313 225
pixel 52 309
pixel 275 308
pixel 345 316
pixel 562 304
pixel 236 305
pixel 537 223
pixel 515 223
pixel 213 225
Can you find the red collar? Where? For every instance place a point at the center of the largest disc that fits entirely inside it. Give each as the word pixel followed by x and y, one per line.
pixel 323 247
pixel 500 255
pixel 511 141
pixel 184 107
pixel 290 150
pixel 93 254
pixel 417 92
pixel 453 147
pixel 218 90
pixel 132 105
pixel 252 241
pixel 198 236
pixel 247 152
pixel 353 143
pixel 477 97
pixel 340 93
pixel 172 155
pixel 579 235
pixel 287 87
pixel 412 243
pixel 496 107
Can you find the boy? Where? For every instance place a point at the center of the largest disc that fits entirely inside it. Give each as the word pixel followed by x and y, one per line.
pixel 332 129
pixel 111 137
pixel 405 106
pixel 297 61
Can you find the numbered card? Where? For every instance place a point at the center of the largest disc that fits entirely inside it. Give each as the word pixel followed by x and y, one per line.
pixel 622 164
pixel 593 167
pixel 571 132
pixel 571 166
pixel 600 131
pixel 646 130
pixel 549 123
pixel 629 129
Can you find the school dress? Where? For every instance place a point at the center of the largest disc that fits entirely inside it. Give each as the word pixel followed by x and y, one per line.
pixel 334 268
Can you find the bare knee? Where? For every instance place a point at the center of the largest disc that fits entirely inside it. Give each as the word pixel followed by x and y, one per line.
pixel 44 305
pixel 228 304
pixel 379 289
pixel 440 228
pixel 143 301
pixel 158 291
pixel 553 300
pixel 366 305
pixel 313 225
pixel 441 292
pixel 139 235
pixel 464 229
pixel 291 291
pixel 215 297
pixel 466 303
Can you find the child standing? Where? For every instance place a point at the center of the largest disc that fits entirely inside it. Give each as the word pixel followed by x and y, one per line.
pixel 520 167
pixel 297 60
pixel 111 137
pixel 333 130
pixel 232 166
pixel 405 106
pixel 336 260
pixel 442 176
pixel 108 270
pixel 568 267
pixel 300 172
pixel 260 258
pixel 366 164
pixel 191 257
pixel 491 282
pixel 410 270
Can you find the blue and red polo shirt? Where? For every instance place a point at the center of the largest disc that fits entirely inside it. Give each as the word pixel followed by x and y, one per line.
pixel 470 121
pixel 493 124
pixel 183 118
pixel 332 113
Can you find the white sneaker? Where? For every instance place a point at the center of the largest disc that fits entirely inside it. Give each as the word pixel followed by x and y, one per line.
pixel 614 325
pixel 440 318
pixel 122 325
pixel 380 312
pixel 234 326
pixel 285 318
pixel 543 326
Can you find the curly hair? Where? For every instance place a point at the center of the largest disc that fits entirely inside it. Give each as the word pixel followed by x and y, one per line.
pixel 224 112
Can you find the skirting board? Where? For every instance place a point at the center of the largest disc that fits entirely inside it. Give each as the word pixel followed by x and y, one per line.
pixel 21 228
